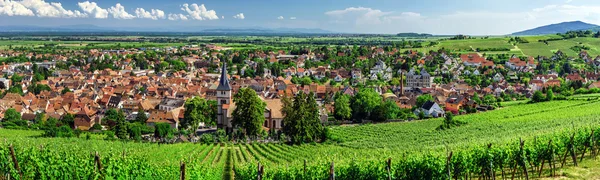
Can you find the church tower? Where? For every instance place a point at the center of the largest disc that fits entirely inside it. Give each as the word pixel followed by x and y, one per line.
pixel 224 100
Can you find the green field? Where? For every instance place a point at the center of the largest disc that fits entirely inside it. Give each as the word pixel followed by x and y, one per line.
pixel 364 144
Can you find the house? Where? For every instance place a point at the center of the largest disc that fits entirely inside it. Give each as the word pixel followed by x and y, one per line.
pixel 498 77
pixel 418 80
pixel 162 116
pixel 430 109
pixel 168 104
pixel 85 119
pixel 115 102
pixel 455 103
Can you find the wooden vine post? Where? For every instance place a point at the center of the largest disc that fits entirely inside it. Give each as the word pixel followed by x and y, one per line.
pixel 182 171
pixel 585 146
pixel 548 152
pixel 304 168
pixel 389 168
pixel 448 165
pixel 98 162
pixel 14 158
pixel 332 171
pixel 571 149
pixel 260 171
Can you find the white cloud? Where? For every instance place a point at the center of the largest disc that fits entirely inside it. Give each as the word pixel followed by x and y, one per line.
pixel 93 9
pixel 199 12
pixel 293 18
pixel 174 17
pixel 52 9
pixel 239 16
pixel 12 8
pixel 222 17
pixel 368 20
pixel 153 14
pixel 118 12
pixel 280 17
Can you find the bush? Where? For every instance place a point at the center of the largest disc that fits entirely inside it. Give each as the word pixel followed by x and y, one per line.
pixel 110 135
pixel 207 138
pixel 65 131
pixel 96 127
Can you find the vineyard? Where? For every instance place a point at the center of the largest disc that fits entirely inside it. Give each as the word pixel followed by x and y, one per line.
pixel 554 134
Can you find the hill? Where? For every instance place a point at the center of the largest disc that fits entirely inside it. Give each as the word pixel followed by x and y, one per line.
pixel 557 28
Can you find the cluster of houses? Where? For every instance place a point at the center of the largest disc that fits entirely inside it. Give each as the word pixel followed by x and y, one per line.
pixel 161 95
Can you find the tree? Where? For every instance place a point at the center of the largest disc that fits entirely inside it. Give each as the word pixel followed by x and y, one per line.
pixel 141 116
pixel 489 99
pixel 302 124
pixel 392 111
pixel 65 90
pixel 538 97
pixel 121 127
pixel 68 119
pixel 422 99
pixel 197 110
pixel 118 118
pixel 365 102
pixel 12 115
pixel 135 131
pixel 249 112
pixel 549 95
pixel 162 130
pixel 15 89
pixel 342 107
pixel 476 98
pixel 449 122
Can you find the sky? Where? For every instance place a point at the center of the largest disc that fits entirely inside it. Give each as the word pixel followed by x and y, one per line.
pixel 442 17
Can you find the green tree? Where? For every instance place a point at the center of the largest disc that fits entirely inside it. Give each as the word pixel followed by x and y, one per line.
pixel 121 127
pixel 196 110
pixel 538 96
pixel 365 102
pixel 15 89
pixel 68 119
pixel 342 107
pixel 549 95
pixel 141 116
pixel 16 78
pixel 302 124
pixel 449 122
pixel 12 115
pixel 162 130
pixel 392 111
pixel 249 112
pixel 65 90
pixel 489 99
pixel 135 131
pixel 476 98
pixel 422 99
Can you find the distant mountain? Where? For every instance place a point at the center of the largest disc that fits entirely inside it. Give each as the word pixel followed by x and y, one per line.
pixel 94 28
pixel 558 28
pixel 413 35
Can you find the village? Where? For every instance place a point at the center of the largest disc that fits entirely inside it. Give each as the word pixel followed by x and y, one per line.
pixel 158 81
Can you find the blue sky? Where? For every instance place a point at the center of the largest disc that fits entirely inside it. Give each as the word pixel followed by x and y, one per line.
pixel 475 17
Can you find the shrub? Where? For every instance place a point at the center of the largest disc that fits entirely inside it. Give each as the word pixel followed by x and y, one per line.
pixel 207 138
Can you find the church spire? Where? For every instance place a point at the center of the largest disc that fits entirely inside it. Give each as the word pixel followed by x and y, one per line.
pixel 224 81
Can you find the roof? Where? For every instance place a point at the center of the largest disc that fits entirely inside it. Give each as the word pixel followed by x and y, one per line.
pixel 224 81
pixel 428 105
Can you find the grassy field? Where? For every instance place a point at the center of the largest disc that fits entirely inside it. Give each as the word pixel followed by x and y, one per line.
pixel 356 143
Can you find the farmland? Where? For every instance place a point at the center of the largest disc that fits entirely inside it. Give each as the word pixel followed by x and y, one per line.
pixel 348 145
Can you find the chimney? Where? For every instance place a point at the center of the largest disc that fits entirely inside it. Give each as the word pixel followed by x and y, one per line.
pixel 401 83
